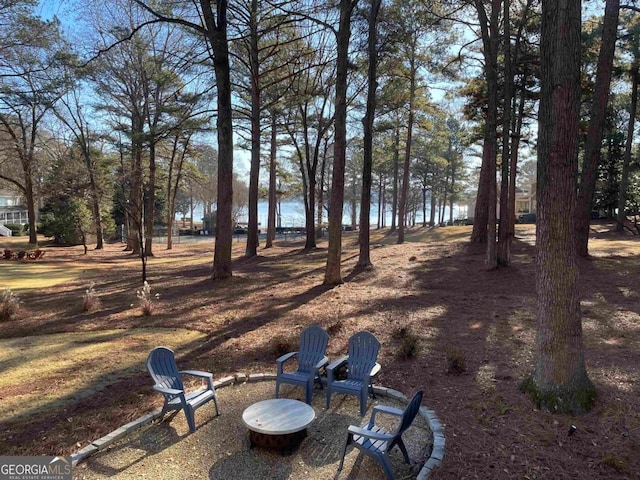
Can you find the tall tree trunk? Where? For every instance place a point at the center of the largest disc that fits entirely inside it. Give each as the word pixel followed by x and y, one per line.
pixel 513 164
pixel 135 202
pixel 487 198
pixel 31 210
pixel 254 174
pixel 149 216
pixel 364 258
pixel 505 237
pixel 95 194
pixel 321 190
pixel 559 381
pixel 595 131
pixel 484 219
pixel 271 219
pixel 174 178
pixel 424 207
pixel 217 37
pixel 334 255
pixel 396 177
pixel 626 162
pixel 407 151
pixel 310 217
pixel 432 213
pixel 380 200
pixel 517 118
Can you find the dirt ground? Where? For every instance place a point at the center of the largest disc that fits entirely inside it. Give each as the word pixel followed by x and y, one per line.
pixel 475 333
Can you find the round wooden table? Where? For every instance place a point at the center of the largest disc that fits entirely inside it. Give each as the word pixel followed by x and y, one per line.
pixel 279 423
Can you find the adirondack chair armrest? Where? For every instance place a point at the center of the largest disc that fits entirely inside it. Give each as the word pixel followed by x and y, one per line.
pixel 336 363
pixel 167 391
pixel 384 409
pixel 197 373
pixel 285 357
pixel 363 432
pixel 333 365
pixel 322 362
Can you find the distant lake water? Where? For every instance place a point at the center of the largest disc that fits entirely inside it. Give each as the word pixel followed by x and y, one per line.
pixel 292 214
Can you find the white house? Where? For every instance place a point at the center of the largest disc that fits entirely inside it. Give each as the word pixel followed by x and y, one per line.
pixel 12 208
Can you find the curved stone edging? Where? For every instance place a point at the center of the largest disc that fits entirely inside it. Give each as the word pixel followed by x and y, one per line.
pixel 437 429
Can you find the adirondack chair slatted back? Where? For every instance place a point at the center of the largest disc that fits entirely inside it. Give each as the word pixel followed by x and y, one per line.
pixel 363 353
pixel 313 345
pixel 410 413
pixel 161 364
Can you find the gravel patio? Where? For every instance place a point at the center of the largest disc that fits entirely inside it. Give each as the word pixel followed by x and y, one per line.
pixel 219 449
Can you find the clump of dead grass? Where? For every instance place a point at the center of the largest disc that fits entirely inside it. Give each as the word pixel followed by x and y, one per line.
pixel 409 342
pixel 90 299
pixel 9 305
pixel 146 299
pixel 456 362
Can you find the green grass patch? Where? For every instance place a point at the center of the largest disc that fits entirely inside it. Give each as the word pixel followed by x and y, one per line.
pixel 25 275
pixel 43 372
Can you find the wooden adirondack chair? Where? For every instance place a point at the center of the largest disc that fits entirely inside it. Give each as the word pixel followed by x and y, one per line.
pixel 161 364
pixel 376 441
pixel 311 358
pixel 361 365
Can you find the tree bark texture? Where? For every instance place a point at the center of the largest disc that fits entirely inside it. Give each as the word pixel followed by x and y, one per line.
pixel 150 198
pixel 484 218
pixel 217 37
pixel 136 205
pixel 396 177
pixel 559 381
pixel 505 237
pixel 364 258
pixel 254 173
pixel 334 255
pixel 402 208
pixel 596 127
pixel 271 218
pixel 626 162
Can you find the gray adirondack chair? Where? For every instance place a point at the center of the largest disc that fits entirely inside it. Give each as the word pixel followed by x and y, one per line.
pixel 361 365
pixel 311 358
pixel 376 442
pixel 161 364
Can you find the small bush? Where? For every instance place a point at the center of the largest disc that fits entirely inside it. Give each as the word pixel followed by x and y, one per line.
pixel 90 300
pixel 17 230
pixel 9 305
pixel 455 361
pixel 145 299
pixel 409 342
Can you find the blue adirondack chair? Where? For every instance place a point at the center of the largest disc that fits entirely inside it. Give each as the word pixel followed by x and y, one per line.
pixel 161 364
pixel 311 358
pixel 361 366
pixel 376 442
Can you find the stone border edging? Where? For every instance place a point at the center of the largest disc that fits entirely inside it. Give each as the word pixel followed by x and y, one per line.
pixel 437 429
